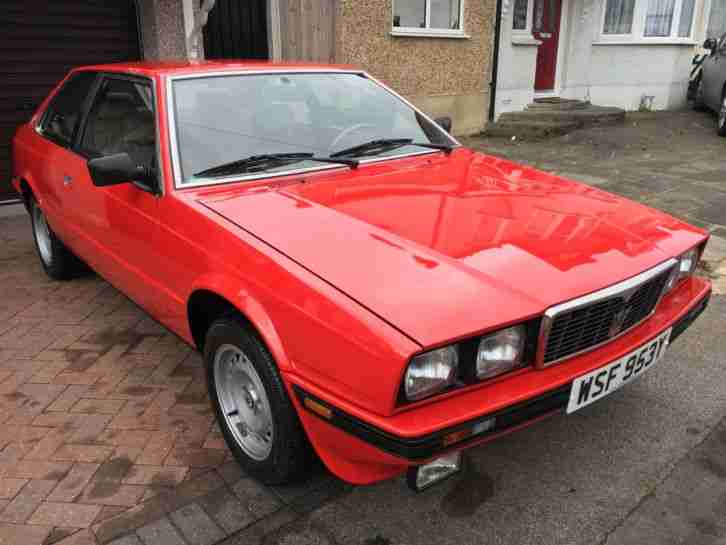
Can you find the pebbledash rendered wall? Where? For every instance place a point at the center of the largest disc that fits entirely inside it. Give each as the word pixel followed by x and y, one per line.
pixel 442 76
pixel 162 29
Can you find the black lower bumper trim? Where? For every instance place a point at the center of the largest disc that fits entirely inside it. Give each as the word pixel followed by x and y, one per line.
pixel 424 447
pixel 421 448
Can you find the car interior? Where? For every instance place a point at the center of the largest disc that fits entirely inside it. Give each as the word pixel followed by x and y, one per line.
pixel 122 120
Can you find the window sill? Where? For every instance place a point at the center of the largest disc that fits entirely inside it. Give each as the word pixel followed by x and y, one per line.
pixel 648 41
pixel 525 40
pixel 425 33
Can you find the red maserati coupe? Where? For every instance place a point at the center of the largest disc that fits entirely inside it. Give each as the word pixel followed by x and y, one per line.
pixel 356 279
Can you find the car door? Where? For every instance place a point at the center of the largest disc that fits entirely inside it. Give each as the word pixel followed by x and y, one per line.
pixel 56 160
pixel 714 75
pixel 119 223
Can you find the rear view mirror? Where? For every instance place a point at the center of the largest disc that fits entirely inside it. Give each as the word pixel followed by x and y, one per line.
pixel 444 123
pixel 710 44
pixel 116 169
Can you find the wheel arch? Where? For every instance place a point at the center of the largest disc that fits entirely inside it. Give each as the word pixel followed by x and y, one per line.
pixel 208 301
pixel 26 192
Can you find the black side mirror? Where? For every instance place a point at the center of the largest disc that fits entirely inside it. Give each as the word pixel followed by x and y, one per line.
pixel 444 123
pixel 116 169
pixel 710 44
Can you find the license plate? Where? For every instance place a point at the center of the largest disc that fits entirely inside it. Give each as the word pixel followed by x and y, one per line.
pixel 605 380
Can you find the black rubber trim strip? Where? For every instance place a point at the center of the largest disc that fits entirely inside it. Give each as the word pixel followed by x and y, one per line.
pixel 421 448
pixel 427 446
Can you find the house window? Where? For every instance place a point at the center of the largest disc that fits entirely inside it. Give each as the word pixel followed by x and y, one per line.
pixel 428 17
pixel 619 16
pixel 520 19
pixel 659 18
pixel 647 20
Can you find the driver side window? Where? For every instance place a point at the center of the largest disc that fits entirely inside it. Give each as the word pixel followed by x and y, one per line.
pixel 122 120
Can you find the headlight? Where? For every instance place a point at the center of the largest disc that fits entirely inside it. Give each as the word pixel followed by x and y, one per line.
pixel 431 372
pixel 500 352
pixel 687 263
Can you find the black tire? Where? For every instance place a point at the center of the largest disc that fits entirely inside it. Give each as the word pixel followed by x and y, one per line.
pixel 721 123
pixel 290 456
pixel 58 262
pixel 698 104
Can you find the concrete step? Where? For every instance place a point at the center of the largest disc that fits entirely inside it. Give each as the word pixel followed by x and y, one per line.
pixel 592 115
pixel 553 118
pixel 541 104
pixel 530 129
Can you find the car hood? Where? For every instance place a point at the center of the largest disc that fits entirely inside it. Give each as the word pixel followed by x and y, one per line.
pixel 442 247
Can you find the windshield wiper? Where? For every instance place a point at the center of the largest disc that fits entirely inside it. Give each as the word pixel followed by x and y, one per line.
pixel 386 144
pixel 260 163
pixel 373 147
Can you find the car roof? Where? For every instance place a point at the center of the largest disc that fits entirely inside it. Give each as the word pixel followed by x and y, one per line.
pixel 171 68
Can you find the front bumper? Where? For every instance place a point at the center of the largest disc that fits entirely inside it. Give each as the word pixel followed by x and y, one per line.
pixel 362 451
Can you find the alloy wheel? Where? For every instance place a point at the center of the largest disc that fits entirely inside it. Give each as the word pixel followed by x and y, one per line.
pixel 42 235
pixel 244 402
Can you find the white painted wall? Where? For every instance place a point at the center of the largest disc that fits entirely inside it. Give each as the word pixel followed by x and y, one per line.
pixel 517 63
pixel 607 74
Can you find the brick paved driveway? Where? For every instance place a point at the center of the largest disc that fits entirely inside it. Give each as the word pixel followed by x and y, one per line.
pixel 105 423
pixel 106 434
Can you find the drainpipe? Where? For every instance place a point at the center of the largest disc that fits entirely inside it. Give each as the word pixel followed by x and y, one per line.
pixel 495 61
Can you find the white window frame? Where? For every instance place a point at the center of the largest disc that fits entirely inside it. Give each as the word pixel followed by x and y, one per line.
pixel 637 35
pixel 430 32
pixel 527 30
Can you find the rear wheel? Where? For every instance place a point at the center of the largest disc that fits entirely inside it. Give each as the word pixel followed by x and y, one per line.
pixel 254 412
pixel 722 116
pixel 698 103
pixel 58 262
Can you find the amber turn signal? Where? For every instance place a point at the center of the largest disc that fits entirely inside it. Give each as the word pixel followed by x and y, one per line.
pixel 318 408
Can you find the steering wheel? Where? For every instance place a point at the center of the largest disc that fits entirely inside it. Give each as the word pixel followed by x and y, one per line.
pixel 349 130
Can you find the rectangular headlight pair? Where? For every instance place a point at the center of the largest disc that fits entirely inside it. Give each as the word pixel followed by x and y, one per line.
pixel 476 359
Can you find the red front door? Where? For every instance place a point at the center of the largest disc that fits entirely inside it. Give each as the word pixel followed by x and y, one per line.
pixel 546 28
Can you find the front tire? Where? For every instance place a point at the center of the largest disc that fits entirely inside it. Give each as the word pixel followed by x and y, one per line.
pixel 257 419
pixel 58 262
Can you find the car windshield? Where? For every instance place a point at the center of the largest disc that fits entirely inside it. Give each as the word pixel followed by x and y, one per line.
pixel 224 119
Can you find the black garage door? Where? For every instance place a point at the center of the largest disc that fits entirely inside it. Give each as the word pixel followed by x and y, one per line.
pixel 237 30
pixel 40 40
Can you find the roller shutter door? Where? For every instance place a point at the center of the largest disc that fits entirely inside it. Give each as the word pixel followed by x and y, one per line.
pixel 40 40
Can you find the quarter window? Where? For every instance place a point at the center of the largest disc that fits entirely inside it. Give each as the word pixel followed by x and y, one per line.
pixel 61 119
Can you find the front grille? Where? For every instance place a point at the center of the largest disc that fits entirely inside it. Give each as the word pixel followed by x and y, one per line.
pixel 583 327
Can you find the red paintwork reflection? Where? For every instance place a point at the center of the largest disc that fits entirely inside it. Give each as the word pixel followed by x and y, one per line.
pixel 443 247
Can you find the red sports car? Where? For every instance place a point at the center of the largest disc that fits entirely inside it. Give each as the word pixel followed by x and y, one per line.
pixel 354 277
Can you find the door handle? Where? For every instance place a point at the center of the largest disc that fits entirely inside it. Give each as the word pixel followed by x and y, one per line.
pixel 67 180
